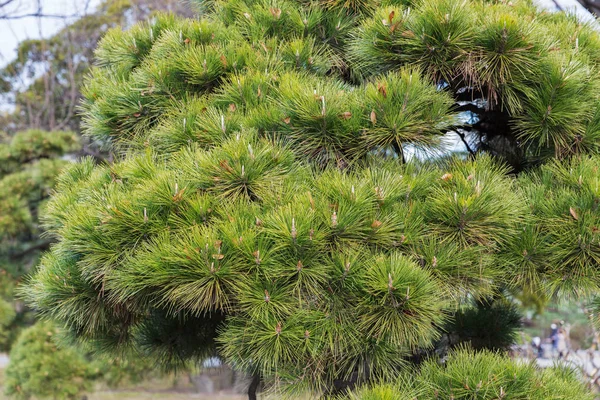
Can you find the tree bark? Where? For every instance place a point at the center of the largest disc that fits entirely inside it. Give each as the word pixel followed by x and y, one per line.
pixel 253 387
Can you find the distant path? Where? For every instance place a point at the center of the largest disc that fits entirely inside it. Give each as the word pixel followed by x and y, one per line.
pixel 129 395
pixel 3 360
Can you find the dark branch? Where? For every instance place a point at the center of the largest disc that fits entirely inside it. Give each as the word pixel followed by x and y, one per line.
pixel 7 2
pixel 462 137
pixel 44 245
pixel 38 15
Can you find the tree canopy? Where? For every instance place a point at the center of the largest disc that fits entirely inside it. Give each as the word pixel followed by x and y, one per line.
pixel 286 197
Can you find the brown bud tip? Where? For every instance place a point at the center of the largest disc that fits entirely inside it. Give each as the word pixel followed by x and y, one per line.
pixel 267 297
pixel 278 328
pixel 373 117
pixel 573 213
pixel 275 12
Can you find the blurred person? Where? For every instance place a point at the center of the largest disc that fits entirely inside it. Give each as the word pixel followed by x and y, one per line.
pixel 536 344
pixel 553 336
pixel 561 343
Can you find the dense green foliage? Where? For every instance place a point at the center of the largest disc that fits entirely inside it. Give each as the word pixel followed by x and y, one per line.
pixel 43 365
pixel 264 209
pixel 483 376
pixel 7 319
pixel 486 323
pixel 30 161
pixel 40 367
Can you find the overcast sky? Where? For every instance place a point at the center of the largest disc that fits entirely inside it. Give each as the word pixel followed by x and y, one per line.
pixel 14 31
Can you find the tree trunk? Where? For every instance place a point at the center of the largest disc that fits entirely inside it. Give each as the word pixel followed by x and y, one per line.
pixel 253 387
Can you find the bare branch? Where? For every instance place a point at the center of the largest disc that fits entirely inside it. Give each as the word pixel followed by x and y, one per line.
pixel 38 15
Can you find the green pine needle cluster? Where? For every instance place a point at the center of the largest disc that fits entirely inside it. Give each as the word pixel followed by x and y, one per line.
pixel 484 375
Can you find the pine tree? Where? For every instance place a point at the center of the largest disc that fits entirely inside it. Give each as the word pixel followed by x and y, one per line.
pixel 287 197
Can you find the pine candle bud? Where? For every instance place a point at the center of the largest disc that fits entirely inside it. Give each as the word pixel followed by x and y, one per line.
pixel 267 297
pixel 256 255
pixel 278 328
pixel 334 219
pixel 478 188
pixel 294 232
pixel 379 193
pixel 299 266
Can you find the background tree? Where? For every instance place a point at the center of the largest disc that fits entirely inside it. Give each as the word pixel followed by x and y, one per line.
pixel 286 230
pixel 40 367
pixel 43 83
pixel 30 161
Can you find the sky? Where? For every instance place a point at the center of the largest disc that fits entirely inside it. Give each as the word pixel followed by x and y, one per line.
pixel 14 31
